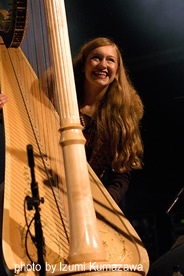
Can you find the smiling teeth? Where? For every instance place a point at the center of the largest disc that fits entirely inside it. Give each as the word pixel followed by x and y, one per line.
pixel 101 73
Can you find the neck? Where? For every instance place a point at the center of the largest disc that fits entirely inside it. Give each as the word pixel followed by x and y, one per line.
pixel 92 96
pixel 92 93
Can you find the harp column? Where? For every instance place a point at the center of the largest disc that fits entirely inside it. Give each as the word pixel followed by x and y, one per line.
pixel 85 242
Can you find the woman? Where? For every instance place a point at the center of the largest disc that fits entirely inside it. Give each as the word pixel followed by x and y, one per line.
pixel 110 112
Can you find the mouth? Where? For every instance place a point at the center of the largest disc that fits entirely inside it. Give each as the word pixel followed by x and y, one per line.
pixel 101 74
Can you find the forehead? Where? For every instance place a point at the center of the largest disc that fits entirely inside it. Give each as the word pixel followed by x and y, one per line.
pixel 108 50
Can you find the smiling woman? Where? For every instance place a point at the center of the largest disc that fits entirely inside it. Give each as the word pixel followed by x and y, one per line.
pixel 100 70
pixel 110 111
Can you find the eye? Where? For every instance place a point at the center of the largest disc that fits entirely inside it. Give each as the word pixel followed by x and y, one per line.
pixel 112 59
pixel 95 57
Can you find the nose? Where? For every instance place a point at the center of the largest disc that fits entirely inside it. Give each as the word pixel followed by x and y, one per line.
pixel 103 63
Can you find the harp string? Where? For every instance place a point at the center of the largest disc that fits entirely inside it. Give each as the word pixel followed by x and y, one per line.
pixel 38 54
pixel 36 49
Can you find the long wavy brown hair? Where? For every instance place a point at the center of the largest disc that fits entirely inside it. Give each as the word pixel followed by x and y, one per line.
pixel 118 113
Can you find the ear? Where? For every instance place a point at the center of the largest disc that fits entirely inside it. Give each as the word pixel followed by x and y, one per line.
pixel 117 76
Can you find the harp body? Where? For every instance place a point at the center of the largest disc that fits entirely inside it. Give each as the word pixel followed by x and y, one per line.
pixel 30 118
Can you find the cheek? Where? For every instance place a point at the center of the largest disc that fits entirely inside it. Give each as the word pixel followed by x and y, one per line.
pixel 114 71
pixel 87 72
pixel 92 64
pixel 88 66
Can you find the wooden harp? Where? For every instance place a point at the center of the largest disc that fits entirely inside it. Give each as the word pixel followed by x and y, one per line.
pixel 81 223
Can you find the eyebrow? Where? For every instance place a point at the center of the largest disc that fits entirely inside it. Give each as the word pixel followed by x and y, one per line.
pixel 97 53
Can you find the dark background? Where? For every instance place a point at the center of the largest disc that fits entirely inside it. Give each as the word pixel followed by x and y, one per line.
pixel 151 36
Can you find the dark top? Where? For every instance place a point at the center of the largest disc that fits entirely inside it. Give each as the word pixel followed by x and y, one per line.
pixel 116 183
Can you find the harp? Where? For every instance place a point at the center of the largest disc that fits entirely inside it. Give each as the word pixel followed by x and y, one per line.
pixel 84 230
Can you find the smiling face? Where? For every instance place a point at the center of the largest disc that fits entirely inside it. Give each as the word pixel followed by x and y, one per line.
pixel 101 67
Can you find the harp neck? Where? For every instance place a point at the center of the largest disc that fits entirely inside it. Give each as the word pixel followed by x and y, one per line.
pixel 62 61
pixel 85 243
